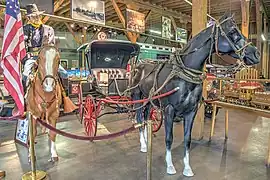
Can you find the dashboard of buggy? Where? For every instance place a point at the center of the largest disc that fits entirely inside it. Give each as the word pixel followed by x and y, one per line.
pixel 109 59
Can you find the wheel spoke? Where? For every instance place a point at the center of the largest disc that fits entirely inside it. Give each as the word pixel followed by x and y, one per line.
pixel 90 116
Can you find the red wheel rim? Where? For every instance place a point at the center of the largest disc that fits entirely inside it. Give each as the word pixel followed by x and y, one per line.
pixel 90 117
pixel 156 117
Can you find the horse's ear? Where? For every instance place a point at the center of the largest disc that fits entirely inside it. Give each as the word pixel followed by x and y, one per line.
pixel 225 16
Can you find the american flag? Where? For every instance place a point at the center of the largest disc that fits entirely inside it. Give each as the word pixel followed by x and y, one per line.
pixel 13 51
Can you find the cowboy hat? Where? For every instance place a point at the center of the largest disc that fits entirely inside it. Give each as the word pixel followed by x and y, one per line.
pixel 32 10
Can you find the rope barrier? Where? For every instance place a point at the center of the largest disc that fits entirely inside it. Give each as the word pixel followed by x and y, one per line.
pixel 87 138
pixel 12 118
pixel 141 100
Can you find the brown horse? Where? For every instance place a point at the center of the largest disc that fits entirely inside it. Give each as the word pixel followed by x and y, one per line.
pixel 44 95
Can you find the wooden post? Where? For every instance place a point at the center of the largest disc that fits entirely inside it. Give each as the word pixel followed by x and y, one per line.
pixel 267 63
pixel 57 5
pixel 259 30
pixel 245 17
pixel 265 52
pixel 199 20
pixel 213 121
pixel 78 41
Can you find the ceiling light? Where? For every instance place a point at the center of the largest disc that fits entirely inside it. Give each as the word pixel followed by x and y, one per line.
pixel 263 38
pixel 154 31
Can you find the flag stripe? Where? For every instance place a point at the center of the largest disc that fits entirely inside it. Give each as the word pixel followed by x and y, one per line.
pixel 13 51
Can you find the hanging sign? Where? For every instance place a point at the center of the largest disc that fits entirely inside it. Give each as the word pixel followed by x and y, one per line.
pixel 102 36
pixel 166 27
pixel 181 35
pixel 21 133
pixel 135 21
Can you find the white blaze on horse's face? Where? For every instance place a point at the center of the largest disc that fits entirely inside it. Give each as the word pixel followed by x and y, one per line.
pixel 49 82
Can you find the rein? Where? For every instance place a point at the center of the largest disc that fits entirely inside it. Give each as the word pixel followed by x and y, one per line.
pixel 42 95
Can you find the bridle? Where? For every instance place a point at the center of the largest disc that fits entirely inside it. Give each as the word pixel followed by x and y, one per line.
pixel 239 51
pixel 47 76
pixel 214 37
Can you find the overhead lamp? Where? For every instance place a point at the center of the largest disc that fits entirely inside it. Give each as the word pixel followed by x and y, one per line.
pixel 263 38
pixel 190 3
pixel 85 27
pixel 154 31
pixel 72 25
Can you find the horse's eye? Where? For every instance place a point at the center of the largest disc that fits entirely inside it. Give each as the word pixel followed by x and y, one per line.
pixel 234 35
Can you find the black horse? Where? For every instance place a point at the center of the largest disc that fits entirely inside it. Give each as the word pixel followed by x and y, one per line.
pixel 224 38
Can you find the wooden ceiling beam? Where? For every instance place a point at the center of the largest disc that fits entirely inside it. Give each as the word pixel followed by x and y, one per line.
pixel 64 5
pixel 147 15
pixel 157 1
pixel 78 41
pixel 173 23
pixel 245 17
pixel 265 9
pixel 63 11
pixel 173 3
pixel 130 35
pixel 56 5
pixel 157 9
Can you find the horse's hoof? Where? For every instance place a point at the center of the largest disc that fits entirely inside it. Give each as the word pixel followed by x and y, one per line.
pixel 53 159
pixel 188 172
pixel 143 149
pixel 171 170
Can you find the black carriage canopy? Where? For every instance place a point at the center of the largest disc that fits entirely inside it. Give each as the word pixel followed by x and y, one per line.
pixel 110 53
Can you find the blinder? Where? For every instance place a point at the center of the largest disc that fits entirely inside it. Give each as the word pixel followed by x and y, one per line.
pixel 239 51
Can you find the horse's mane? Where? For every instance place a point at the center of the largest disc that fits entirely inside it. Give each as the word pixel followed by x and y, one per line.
pixel 195 38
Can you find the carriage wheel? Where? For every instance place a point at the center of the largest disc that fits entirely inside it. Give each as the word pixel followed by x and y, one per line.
pixel 157 117
pixel 90 116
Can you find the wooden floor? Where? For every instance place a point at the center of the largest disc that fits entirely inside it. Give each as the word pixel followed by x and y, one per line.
pixel 241 158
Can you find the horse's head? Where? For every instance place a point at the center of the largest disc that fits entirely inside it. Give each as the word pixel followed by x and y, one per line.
pixel 229 40
pixel 48 64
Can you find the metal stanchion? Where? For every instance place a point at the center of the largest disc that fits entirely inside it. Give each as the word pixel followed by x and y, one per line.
pixel 33 174
pixel 149 149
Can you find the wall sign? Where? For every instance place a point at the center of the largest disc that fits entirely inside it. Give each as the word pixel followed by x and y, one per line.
pixel 181 35
pixel 135 21
pixel 102 36
pixel 166 27
pixel 21 133
pixel 88 10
